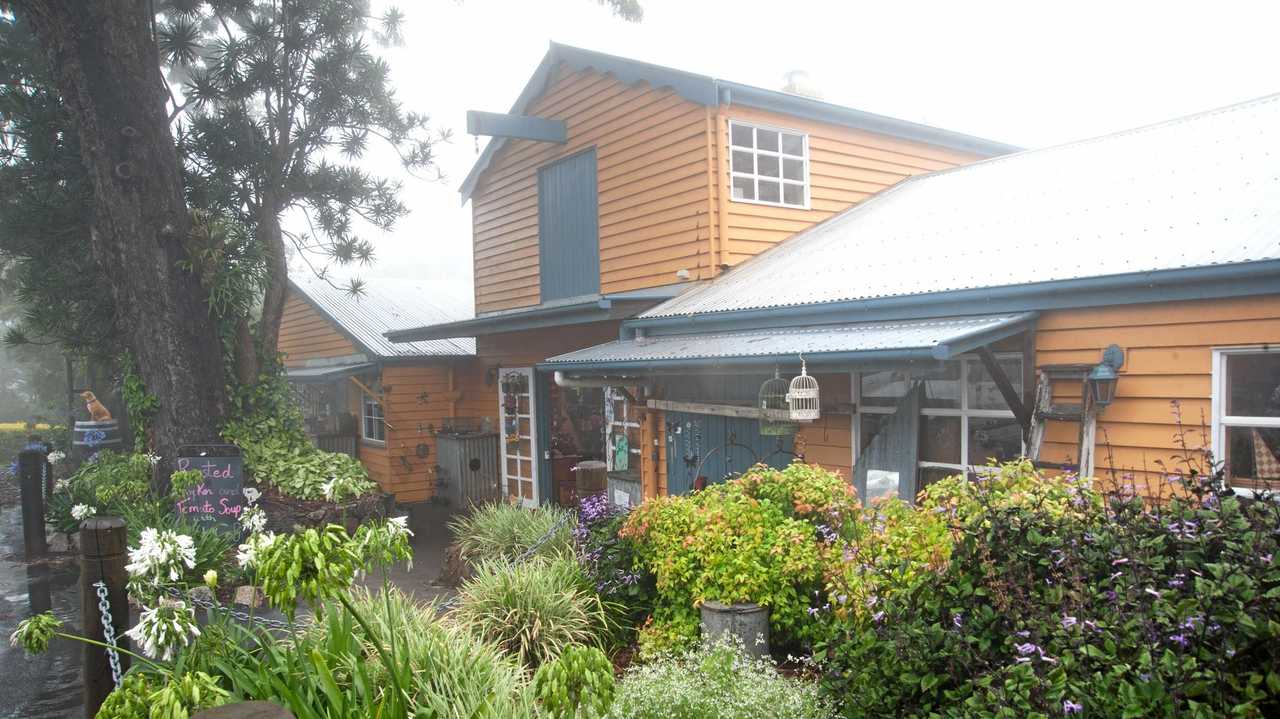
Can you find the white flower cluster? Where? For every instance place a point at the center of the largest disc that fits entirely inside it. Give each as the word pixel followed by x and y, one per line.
pixel 161 555
pixel 247 554
pixel 254 520
pixel 339 488
pixel 56 456
pixel 61 485
pixel 398 527
pixel 81 512
pixel 153 458
pixel 165 628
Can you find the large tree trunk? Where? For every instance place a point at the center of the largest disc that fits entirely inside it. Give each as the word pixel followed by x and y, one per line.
pixel 107 68
pixel 272 238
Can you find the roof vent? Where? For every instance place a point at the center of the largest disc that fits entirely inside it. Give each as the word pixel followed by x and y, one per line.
pixel 798 83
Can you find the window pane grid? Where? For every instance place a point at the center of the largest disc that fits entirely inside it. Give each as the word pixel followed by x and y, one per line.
pixel 772 170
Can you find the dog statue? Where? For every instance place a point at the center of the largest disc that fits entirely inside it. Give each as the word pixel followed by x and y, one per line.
pixel 97 412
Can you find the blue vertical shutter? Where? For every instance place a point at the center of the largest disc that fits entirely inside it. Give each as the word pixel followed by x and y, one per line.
pixel 568 231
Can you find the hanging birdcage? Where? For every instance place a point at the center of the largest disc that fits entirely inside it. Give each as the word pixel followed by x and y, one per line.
pixel 773 401
pixel 802 398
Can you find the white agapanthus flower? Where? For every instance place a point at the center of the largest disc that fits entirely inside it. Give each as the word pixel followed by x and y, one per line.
pixel 61 485
pixel 163 629
pixel 254 520
pixel 247 554
pixel 328 489
pixel 398 526
pixel 161 555
pixel 81 512
pixel 56 456
pixel 153 458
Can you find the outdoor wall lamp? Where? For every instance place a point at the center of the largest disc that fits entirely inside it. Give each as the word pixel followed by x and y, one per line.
pixel 1103 378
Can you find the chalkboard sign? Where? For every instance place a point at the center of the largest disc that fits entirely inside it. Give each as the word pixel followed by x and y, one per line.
pixel 218 500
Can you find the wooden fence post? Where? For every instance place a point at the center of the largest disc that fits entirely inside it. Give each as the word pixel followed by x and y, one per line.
pixel 103 545
pixel 33 468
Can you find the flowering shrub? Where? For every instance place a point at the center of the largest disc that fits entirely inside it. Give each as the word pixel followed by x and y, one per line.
pixel 763 537
pixel 1058 600
pixel 609 561
pixel 716 681
pixel 113 484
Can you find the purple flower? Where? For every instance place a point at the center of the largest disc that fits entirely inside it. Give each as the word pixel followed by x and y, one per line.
pixel 813 611
pixel 878 616
pixel 1024 633
pixel 1068 622
pixel 1179 639
pixel 1266 558
pixel 1122 560
pixel 1152 592
pixel 1027 648
pixel 957 620
pixel 1070 707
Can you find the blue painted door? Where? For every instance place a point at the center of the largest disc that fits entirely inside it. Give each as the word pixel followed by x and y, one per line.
pixel 717 447
pixel 568 228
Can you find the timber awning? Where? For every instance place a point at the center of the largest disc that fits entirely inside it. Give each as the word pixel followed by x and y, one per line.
pixel 327 373
pixel 861 343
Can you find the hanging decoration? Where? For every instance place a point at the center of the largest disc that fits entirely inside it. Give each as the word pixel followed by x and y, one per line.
pixel 802 398
pixel 772 400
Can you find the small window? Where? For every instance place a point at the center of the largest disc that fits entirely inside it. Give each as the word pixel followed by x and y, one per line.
pixel 373 426
pixel 1246 418
pixel 768 165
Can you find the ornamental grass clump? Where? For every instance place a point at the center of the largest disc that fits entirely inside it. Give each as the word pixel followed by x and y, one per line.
pixel 764 537
pixel 533 609
pixel 715 681
pixel 506 531
pixel 1058 599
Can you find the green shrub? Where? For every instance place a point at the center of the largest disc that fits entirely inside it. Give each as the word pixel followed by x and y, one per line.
pixel 1059 600
pixel 714 682
pixel 505 531
pixel 611 564
pixel 278 452
pixel 333 668
pixel 576 685
pixel 764 537
pixel 112 483
pixel 534 609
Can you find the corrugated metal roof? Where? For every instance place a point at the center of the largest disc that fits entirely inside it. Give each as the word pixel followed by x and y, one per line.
pixel 326 372
pixel 938 338
pixel 1198 191
pixel 389 305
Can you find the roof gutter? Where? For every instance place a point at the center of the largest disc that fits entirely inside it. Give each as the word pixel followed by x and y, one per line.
pixel 1213 281
pixel 816 359
pixel 593 310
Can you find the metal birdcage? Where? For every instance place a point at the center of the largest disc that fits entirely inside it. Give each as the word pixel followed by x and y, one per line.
pixel 802 397
pixel 773 399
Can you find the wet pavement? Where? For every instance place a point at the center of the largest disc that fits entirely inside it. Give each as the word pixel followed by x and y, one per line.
pixel 47 686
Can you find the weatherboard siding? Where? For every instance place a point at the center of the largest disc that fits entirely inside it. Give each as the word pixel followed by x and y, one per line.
pixel 846 166
pixel 1168 357
pixel 306 334
pixel 653 190
pixel 416 401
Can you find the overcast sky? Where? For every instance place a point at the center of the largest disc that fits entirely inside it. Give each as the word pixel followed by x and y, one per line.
pixel 1027 73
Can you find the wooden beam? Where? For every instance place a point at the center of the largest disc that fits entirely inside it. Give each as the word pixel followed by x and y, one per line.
pixel 520 127
pixel 719 410
pixel 1007 391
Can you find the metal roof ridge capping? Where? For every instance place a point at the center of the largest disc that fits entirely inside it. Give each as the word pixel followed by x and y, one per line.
pixel 1190 200
pixel 707 90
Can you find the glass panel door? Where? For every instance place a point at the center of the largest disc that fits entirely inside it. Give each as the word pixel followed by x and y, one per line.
pixel 519 441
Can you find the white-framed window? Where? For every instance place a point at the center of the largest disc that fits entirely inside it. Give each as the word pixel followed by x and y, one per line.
pixel 768 165
pixel 1246 416
pixel 373 426
pixel 964 420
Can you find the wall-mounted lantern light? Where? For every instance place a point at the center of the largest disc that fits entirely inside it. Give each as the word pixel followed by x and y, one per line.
pixel 1103 378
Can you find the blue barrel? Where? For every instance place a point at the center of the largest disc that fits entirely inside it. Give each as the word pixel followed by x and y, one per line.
pixel 90 437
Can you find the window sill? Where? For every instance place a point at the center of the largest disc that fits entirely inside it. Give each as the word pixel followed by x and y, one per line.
pixel 376 443
pixel 766 203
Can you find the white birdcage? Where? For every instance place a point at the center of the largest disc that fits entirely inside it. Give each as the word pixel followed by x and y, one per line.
pixel 772 400
pixel 802 398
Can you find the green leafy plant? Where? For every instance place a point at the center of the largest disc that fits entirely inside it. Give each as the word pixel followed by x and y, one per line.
pixel 332 669
pixel 505 531
pixel 112 484
pixel 764 538
pixel 576 685
pixel 311 565
pixel 534 609
pixel 611 563
pixel 138 402
pixel 1058 598
pixel 715 681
